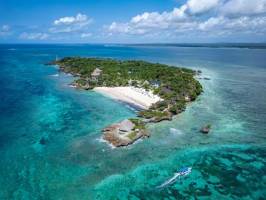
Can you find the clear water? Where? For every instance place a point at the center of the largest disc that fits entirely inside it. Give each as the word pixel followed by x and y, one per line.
pixel 36 102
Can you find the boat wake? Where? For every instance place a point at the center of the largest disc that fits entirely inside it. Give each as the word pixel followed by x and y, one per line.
pixel 175 131
pixel 179 174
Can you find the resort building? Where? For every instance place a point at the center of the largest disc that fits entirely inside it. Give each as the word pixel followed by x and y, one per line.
pixel 126 126
pixel 95 74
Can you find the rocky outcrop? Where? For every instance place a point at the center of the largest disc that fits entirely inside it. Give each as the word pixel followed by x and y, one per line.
pixel 206 129
pixel 123 133
pixel 80 86
pixel 43 141
pixel 167 117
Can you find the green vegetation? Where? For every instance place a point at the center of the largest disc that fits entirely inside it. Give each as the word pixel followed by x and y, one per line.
pixel 175 85
pixel 132 135
pixel 148 114
pixel 139 124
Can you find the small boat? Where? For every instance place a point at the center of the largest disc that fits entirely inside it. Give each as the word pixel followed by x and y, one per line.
pixel 182 172
pixel 206 129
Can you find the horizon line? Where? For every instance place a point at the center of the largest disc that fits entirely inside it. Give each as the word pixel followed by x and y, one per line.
pixel 136 43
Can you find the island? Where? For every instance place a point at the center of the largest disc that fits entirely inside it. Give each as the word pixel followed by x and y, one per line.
pixel 158 91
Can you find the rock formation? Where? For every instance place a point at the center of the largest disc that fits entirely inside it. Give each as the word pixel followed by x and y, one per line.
pixel 123 133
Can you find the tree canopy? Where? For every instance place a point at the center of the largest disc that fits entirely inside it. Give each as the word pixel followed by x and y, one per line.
pixel 173 84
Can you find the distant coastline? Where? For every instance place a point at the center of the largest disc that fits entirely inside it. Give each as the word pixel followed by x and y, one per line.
pixel 261 45
pixel 205 45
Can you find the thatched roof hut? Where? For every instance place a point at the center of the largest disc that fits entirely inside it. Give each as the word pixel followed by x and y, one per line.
pixel 97 72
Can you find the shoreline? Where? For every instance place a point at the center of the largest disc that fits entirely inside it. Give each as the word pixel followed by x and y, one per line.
pixel 157 91
pixel 138 97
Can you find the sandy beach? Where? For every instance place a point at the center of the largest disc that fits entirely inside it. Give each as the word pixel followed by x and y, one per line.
pixel 136 96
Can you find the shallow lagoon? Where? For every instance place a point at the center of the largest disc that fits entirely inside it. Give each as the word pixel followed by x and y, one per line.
pixel 73 163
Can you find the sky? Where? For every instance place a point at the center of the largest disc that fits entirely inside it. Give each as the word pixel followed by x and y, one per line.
pixel 132 21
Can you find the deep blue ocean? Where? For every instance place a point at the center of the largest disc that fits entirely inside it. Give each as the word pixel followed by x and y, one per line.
pixel 50 133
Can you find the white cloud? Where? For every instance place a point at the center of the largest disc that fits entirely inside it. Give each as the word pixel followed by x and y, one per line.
pixel 146 22
pixel 85 35
pixel 33 36
pixel 71 24
pixel 243 24
pixel 211 23
pixel 68 29
pixel 198 17
pixel 243 7
pixel 201 6
pixel 126 28
pixel 154 19
pixel 79 19
pixel 5 30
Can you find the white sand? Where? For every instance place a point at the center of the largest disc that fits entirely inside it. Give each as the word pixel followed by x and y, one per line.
pixel 136 96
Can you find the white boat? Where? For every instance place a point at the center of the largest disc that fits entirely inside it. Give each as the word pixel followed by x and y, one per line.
pixel 182 172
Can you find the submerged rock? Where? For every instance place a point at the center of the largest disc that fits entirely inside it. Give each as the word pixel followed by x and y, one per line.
pixel 198 72
pixel 43 141
pixel 80 86
pixel 206 129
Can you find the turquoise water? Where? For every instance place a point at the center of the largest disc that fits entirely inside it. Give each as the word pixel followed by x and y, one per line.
pixel 50 133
